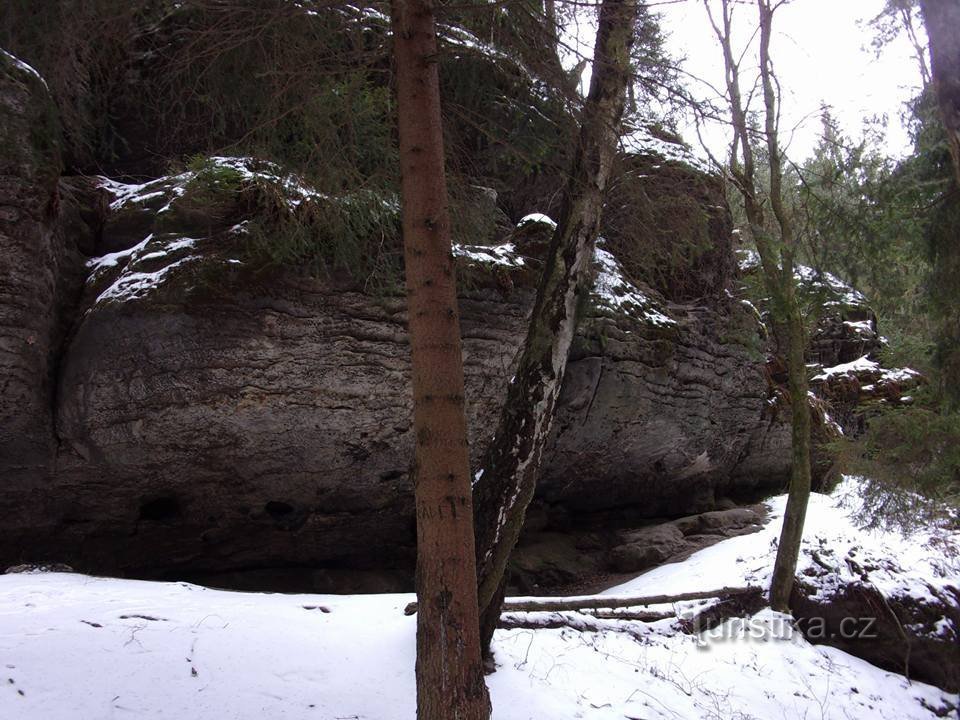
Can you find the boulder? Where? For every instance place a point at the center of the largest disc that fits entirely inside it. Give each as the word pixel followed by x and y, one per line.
pixel 872 606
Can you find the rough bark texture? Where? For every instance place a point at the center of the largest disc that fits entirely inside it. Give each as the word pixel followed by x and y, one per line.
pixel 511 467
pixel 449 672
pixel 942 20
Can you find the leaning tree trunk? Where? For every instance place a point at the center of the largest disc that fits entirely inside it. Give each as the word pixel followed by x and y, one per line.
pixel 792 331
pixel 942 20
pixel 449 671
pixel 794 517
pixel 512 462
pixel 778 273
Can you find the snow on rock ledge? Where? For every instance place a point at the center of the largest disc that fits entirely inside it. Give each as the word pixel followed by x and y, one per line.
pixel 863 379
pixel 613 289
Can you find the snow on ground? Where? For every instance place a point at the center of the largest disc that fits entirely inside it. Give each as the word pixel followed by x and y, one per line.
pixel 74 647
pixel 918 564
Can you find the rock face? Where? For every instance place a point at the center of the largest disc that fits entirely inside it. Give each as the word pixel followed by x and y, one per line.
pixel 213 416
pixel 40 276
pixel 587 559
pixel 662 414
pixel 176 407
pixel 32 257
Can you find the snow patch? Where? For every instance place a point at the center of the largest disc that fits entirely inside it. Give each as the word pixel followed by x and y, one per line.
pixel 817 280
pixel 643 142
pixel 504 255
pixel 612 289
pixel 537 218
pixel 23 66
pixel 131 284
pixel 135 285
pixel 864 366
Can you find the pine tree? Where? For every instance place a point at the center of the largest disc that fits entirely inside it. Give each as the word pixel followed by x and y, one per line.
pixel 449 672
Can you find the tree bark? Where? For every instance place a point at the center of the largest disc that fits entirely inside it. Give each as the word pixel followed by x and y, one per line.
pixel 777 262
pixel 449 671
pixel 791 534
pixel 511 465
pixel 942 20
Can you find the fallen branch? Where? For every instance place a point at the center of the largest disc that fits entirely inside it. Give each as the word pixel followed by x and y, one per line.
pixel 608 602
pixel 582 620
pixel 588 602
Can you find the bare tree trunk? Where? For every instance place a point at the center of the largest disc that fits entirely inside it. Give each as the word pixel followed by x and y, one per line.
pixel 791 534
pixel 511 465
pixel 778 275
pixel 449 671
pixel 942 20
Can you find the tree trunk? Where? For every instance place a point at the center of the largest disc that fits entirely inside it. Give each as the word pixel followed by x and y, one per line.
pixel 778 276
pixel 449 671
pixel 942 20
pixel 791 534
pixel 512 462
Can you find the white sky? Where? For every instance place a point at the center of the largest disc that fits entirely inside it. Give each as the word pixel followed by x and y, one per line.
pixel 821 54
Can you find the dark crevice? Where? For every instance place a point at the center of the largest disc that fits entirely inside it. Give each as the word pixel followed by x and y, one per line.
pixel 161 509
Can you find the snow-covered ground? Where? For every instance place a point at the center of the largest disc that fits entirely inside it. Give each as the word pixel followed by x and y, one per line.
pixel 74 647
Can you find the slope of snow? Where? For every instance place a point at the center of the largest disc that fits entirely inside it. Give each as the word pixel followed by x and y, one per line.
pixel 74 647
pixel 917 565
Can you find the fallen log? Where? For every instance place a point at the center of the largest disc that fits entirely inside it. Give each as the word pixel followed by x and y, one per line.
pixel 591 602
pixel 608 602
